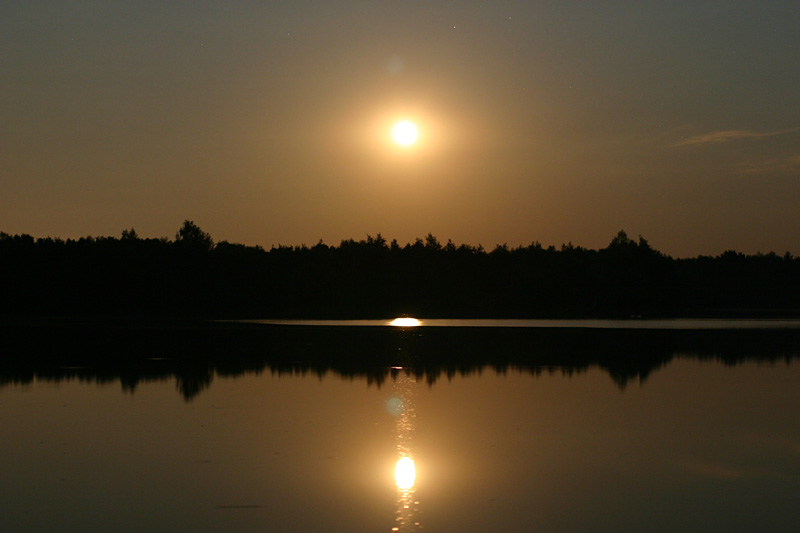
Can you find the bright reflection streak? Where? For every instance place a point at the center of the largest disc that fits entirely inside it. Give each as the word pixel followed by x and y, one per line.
pixel 405 322
pixel 405 473
pixel 406 515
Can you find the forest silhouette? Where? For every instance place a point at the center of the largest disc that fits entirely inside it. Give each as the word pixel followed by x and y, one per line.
pixel 191 275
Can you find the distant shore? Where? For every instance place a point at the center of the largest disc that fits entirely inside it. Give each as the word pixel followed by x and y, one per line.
pixel 192 276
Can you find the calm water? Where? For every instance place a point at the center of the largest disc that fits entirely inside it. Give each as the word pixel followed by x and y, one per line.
pixel 689 443
pixel 676 323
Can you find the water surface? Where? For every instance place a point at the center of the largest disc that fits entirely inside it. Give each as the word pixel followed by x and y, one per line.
pixel 677 432
pixel 673 323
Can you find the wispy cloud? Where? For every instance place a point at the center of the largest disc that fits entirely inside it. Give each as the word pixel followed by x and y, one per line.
pixel 729 472
pixel 784 166
pixel 731 135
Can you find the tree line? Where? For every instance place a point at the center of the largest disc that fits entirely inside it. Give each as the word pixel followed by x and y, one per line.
pixel 373 278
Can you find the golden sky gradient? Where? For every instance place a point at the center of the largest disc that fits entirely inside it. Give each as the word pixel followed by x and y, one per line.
pixel 270 123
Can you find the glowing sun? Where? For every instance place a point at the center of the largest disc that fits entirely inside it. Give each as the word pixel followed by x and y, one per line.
pixel 405 133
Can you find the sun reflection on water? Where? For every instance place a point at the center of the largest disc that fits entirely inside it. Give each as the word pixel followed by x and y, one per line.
pixel 401 405
pixel 405 322
pixel 405 473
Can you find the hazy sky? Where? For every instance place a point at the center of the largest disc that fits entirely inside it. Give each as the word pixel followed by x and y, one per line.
pixel 268 122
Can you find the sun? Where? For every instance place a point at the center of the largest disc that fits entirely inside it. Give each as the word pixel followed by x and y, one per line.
pixel 405 133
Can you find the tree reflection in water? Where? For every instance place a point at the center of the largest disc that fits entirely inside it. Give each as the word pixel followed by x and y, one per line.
pixel 195 353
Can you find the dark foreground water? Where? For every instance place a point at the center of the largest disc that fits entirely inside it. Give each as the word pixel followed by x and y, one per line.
pixel 241 427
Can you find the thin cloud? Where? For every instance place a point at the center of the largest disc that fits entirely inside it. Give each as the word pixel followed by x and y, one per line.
pixel 729 472
pixel 731 135
pixel 787 165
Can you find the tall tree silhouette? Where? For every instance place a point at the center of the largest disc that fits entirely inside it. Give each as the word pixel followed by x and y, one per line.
pixel 191 235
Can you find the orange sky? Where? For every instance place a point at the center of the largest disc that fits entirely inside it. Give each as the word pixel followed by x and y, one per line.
pixel 268 124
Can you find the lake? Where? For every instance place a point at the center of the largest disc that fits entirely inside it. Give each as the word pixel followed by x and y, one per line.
pixel 358 426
